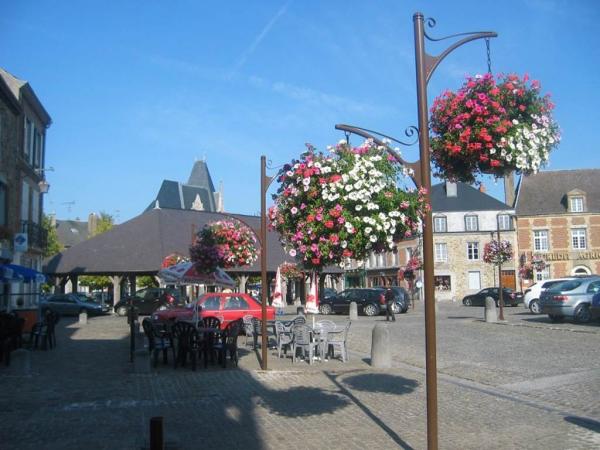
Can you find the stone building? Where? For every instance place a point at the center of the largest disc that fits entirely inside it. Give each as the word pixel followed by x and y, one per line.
pixel 559 220
pixel 23 124
pixel 464 220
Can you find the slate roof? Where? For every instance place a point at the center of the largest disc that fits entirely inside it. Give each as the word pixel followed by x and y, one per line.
pixel 175 195
pixel 71 232
pixel 467 199
pixel 139 245
pixel 546 192
pixel 18 86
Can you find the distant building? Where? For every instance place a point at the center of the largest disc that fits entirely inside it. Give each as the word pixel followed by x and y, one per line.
pixel 23 124
pixel 559 219
pixel 197 194
pixel 72 232
pixel 464 220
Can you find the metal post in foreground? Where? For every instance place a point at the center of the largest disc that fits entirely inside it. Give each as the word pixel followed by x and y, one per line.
pixel 263 259
pixel 500 291
pixel 430 334
pixel 156 434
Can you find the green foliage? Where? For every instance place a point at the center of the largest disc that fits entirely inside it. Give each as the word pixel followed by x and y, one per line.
pixel 53 246
pixel 105 223
pixel 95 282
pixel 145 282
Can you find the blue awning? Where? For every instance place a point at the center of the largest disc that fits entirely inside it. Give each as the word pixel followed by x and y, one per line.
pixel 14 273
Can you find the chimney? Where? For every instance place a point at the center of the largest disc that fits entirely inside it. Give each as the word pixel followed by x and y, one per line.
pixel 92 224
pixel 482 188
pixel 509 189
pixel 450 189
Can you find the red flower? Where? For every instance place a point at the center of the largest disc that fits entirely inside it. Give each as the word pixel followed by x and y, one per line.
pixel 329 224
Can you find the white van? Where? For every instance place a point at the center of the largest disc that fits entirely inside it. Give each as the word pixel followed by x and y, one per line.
pixel 531 298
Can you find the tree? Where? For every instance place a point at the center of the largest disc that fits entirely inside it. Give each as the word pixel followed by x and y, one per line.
pixel 105 223
pixel 53 246
pixel 146 281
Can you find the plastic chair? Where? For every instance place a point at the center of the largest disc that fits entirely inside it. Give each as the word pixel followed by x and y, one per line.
pixel 302 340
pixel 228 343
pixel 336 340
pixel 284 338
pixel 322 330
pixel 158 340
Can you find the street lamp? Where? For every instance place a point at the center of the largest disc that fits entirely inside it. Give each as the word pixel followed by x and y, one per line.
pixel 500 290
pixel 425 66
pixel 43 184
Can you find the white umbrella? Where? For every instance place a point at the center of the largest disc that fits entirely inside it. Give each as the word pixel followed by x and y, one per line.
pixel 186 273
pixel 312 301
pixel 277 300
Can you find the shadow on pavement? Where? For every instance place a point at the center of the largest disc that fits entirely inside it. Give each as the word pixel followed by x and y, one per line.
pixel 391 433
pixel 381 382
pixel 583 422
pixel 302 401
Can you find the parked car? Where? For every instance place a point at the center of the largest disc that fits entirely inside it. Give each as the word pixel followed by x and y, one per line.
pixel 370 302
pixel 402 299
pixel 327 293
pixel 509 297
pixel 72 304
pixel 531 297
pixel 149 300
pixel 595 306
pixel 571 298
pixel 226 306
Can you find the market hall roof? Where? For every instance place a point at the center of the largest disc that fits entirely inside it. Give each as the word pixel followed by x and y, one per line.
pixel 546 192
pixel 139 245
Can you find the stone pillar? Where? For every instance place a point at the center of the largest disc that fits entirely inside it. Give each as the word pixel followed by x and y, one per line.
pixel 74 283
pixel 83 316
pixel 353 311
pixel 491 314
pixel 132 286
pixel 380 347
pixel 242 281
pixel 116 281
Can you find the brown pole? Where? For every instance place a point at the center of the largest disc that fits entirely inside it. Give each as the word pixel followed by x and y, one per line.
pixel 263 258
pixel 430 335
pixel 156 433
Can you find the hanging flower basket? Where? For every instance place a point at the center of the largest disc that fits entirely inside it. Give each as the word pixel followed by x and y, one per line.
pixel 172 259
pixel 497 252
pixel 344 205
pixel 290 271
pixel 538 263
pixel 224 244
pixel 526 272
pixel 414 263
pixel 492 126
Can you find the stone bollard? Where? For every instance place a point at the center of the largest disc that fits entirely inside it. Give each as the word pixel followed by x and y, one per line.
pixel 20 362
pixel 380 347
pixel 491 314
pixel 353 311
pixel 83 316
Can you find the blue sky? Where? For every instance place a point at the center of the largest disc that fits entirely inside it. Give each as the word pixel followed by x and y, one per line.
pixel 138 90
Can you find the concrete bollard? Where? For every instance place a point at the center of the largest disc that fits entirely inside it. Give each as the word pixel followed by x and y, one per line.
pixel 491 314
pixel 353 311
pixel 20 362
pixel 83 316
pixel 380 347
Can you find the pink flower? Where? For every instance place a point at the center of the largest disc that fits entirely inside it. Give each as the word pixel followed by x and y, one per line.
pixel 292 253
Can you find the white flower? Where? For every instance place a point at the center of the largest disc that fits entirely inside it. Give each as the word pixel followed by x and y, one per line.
pixel 358 207
pixel 368 230
pixel 373 238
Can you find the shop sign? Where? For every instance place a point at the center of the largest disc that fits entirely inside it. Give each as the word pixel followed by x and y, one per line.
pixel 20 242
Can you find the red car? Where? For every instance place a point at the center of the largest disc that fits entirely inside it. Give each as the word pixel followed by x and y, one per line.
pixel 226 306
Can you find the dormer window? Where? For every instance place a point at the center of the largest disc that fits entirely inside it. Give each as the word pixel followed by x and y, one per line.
pixel 576 204
pixel 576 201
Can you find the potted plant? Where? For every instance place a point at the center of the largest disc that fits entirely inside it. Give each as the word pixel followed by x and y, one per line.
pixel 497 252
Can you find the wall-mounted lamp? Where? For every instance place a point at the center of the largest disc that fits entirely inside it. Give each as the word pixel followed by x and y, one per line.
pixel 43 184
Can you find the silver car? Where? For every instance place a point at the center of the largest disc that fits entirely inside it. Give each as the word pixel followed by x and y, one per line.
pixel 571 298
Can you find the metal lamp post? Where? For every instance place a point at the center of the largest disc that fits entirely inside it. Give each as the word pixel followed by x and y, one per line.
pixel 425 66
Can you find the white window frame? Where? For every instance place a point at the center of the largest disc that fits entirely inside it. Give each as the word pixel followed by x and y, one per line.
pixel 576 203
pixel 441 252
pixel 579 238
pixel 473 251
pixel 504 222
pixel 440 224
pixel 541 275
pixel 540 241
pixel 474 286
pixel 380 259
pixel 470 220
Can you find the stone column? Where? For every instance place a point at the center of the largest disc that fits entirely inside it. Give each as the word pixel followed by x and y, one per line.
pixel 116 281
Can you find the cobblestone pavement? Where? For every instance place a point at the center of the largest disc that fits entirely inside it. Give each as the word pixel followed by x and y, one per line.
pixel 524 384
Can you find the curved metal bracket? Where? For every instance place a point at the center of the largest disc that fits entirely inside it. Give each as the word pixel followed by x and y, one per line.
pixel 415 167
pixel 431 62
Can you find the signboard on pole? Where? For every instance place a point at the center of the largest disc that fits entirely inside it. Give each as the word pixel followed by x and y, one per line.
pixel 20 242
